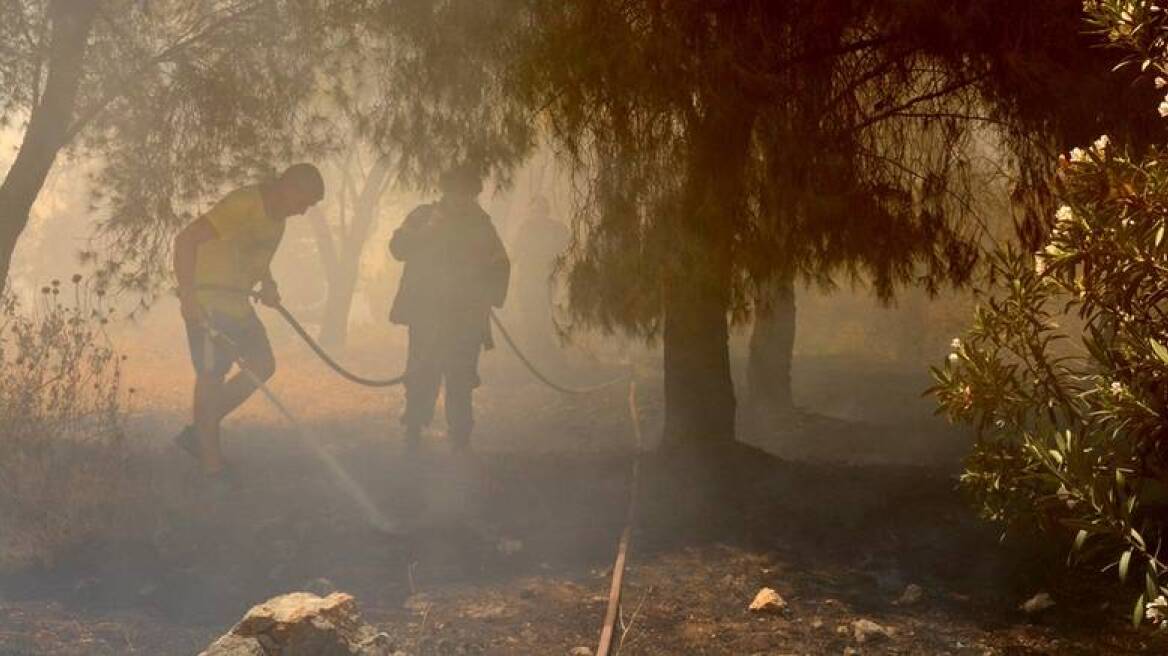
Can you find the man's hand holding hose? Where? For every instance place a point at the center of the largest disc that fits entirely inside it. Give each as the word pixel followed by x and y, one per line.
pixel 269 293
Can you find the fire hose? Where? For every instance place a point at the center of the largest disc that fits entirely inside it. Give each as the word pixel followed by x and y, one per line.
pixel 378 520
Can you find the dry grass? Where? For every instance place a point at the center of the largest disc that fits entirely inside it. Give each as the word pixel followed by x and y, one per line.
pixel 61 440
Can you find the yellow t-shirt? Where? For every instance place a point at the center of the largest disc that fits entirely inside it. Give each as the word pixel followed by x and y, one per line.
pixel 240 257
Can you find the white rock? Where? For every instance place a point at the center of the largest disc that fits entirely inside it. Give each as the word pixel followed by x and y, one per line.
pixel 1037 603
pixel 864 630
pixel 509 546
pixel 912 594
pixel 303 623
pixel 767 600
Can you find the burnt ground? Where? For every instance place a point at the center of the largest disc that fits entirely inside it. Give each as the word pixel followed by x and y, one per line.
pixel 508 551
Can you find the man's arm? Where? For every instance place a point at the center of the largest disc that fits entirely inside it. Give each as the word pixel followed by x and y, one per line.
pixel 186 246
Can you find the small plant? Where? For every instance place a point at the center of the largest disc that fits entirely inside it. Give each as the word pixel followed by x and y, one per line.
pixel 60 422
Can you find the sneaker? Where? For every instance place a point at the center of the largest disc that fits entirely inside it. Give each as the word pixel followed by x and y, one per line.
pixel 188 440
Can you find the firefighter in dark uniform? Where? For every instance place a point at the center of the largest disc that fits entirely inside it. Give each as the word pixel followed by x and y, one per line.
pixel 456 270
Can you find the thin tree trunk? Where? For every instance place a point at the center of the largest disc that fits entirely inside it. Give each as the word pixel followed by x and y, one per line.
pixel 699 391
pixel 342 270
pixel 772 343
pixel 48 123
pixel 334 325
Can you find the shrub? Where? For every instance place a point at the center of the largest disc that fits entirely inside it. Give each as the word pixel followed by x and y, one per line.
pixel 61 455
pixel 1064 373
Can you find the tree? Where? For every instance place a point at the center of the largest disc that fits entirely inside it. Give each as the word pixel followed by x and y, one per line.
pixel 174 98
pixel 1038 84
pixel 689 127
pixel 51 108
pixel 356 206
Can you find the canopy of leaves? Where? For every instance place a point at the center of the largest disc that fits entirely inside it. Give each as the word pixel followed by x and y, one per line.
pixel 861 120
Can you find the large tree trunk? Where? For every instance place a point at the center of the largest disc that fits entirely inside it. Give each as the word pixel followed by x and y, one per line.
pixel 699 391
pixel 48 123
pixel 772 342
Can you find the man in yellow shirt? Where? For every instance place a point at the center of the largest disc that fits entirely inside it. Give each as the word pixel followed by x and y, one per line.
pixel 218 259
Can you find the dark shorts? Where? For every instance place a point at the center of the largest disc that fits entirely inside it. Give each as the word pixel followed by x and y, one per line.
pixel 238 337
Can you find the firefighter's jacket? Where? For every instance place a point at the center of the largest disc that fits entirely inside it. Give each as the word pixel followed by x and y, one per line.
pixel 456 269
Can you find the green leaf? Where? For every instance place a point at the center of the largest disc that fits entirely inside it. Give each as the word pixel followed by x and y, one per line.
pixel 1080 539
pixel 1124 564
pixel 1159 235
pixel 1151 588
pixel 1138 612
pixel 1160 350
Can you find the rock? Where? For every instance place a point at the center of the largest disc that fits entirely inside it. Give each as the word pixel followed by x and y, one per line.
pixel 509 546
pixel 580 651
pixel 912 594
pixel 1037 603
pixel 303 624
pixel 767 601
pixel 864 630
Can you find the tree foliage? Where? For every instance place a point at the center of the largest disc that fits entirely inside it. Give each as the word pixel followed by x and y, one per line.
pixel 185 99
pixel 1072 438
pixel 861 116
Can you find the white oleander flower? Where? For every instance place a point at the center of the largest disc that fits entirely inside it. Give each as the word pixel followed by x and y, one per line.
pixel 953 357
pixel 1164 108
pixel 1116 388
pixel 1102 143
pixel 1079 155
pixel 955 344
pixel 1157 611
pixel 1064 216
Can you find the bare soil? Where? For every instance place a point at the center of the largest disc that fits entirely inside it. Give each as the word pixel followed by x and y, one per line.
pixel 508 551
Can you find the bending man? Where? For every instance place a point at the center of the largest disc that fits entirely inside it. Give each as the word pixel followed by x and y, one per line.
pixel 456 270
pixel 218 259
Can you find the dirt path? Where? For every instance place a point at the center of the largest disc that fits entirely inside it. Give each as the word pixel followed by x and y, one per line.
pixel 508 552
